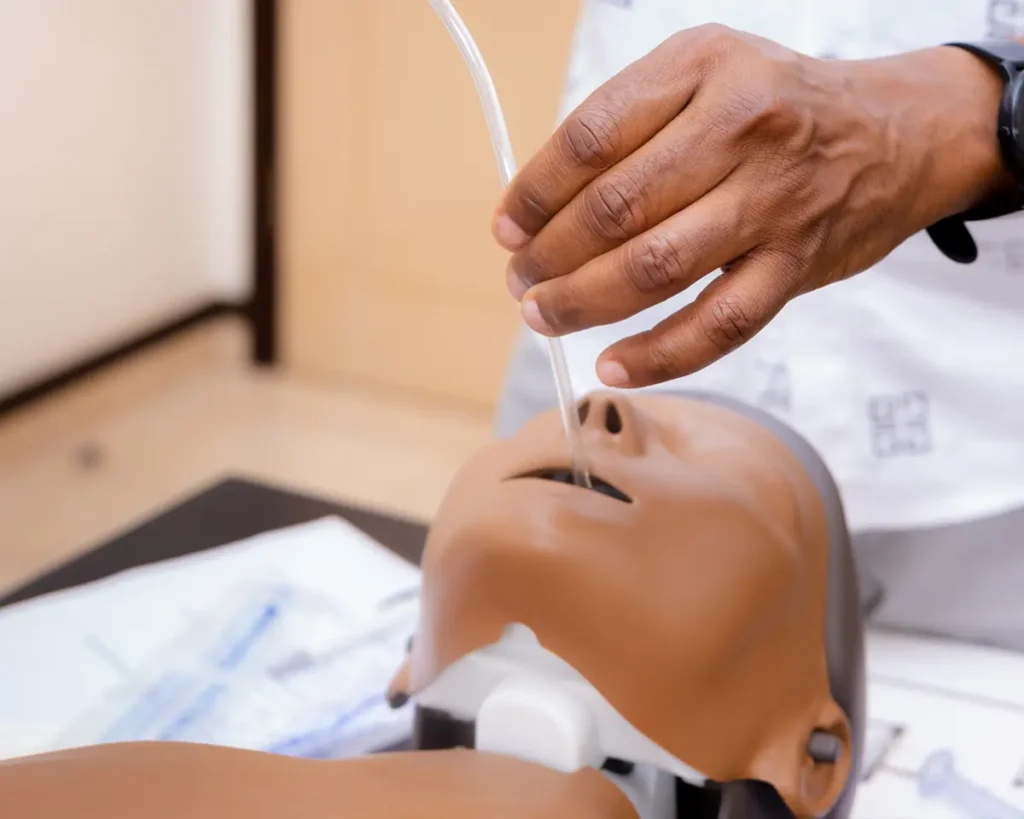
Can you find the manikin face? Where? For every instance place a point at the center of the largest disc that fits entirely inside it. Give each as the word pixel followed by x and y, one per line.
pixel 688 587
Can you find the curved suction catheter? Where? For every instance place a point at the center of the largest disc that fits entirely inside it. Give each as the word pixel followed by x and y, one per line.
pixel 938 779
pixel 502 145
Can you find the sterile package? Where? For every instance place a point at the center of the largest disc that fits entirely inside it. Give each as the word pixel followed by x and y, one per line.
pixel 879 739
pixel 272 668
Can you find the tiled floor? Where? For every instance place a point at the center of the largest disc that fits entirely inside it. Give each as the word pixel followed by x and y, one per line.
pixel 98 457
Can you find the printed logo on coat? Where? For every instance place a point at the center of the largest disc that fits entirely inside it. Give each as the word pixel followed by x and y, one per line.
pixel 776 389
pixel 1013 249
pixel 900 425
pixel 1010 252
pixel 1005 19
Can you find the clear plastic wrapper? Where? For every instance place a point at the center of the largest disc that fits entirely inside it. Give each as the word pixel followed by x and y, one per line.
pixel 271 669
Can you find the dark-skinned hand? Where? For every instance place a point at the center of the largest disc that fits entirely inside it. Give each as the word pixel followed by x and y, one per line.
pixel 724 151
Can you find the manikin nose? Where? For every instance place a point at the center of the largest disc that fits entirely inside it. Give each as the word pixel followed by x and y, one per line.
pixel 610 418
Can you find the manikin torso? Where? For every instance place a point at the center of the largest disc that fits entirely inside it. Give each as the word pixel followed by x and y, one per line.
pixel 177 781
pixel 686 598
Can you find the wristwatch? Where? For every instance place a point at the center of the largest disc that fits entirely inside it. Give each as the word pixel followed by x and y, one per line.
pixel 1007 57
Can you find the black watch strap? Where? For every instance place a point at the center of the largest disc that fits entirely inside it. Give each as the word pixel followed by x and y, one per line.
pixel 996 52
pixel 951 235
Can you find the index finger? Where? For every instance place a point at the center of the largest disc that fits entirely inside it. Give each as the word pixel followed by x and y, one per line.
pixel 612 123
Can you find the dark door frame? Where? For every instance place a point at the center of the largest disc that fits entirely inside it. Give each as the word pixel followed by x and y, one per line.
pixel 263 307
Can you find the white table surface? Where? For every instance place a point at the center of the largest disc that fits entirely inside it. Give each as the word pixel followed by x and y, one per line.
pixel 944 696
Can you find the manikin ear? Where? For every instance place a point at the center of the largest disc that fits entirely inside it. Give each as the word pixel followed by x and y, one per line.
pixel 811 773
pixel 825 766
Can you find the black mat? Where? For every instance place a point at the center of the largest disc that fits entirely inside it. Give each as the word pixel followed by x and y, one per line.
pixel 231 510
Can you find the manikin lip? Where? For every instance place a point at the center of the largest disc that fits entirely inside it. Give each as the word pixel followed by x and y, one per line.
pixel 561 474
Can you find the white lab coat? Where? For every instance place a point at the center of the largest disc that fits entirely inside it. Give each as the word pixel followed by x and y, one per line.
pixel 908 379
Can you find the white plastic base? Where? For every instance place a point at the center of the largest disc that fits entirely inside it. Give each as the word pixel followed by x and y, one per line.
pixel 538 720
pixel 528 702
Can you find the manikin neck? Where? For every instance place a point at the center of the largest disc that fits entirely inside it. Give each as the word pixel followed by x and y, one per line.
pixel 529 703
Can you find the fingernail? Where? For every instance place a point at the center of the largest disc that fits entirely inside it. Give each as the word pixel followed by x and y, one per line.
pixel 612 374
pixel 516 286
pixel 534 320
pixel 509 235
pixel 398 700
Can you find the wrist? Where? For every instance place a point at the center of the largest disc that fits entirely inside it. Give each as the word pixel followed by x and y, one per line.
pixel 944 104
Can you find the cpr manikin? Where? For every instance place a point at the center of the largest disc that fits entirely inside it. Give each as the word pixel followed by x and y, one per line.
pixel 695 616
pixel 684 639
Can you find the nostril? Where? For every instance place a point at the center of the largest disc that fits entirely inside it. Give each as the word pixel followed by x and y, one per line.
pixel 584 411
pixel 613 420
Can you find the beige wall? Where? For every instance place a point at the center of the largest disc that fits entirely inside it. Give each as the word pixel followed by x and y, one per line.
pixel 124 173
pixel 388 183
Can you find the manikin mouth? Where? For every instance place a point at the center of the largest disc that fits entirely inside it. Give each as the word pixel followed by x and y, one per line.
pixel 562 475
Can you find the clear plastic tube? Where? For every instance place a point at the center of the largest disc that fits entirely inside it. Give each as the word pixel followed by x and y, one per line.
pixel 939 779
pixel 502 145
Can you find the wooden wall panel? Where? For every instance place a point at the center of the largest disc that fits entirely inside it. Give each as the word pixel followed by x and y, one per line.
pixel 388 182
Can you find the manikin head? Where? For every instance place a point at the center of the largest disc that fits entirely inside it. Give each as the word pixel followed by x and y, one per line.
pixel 690 588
